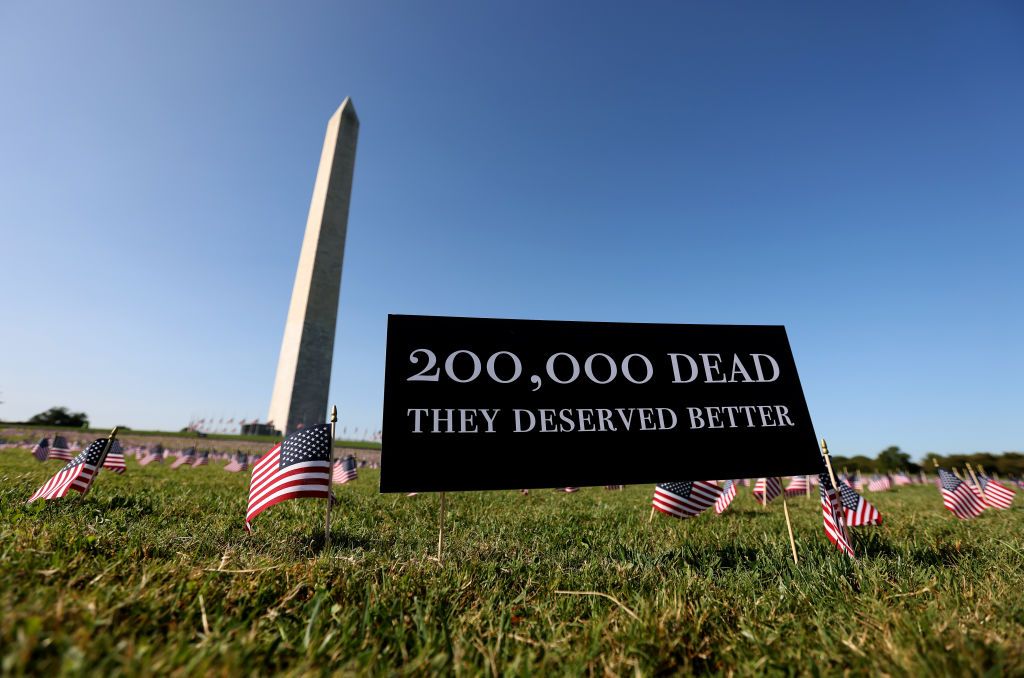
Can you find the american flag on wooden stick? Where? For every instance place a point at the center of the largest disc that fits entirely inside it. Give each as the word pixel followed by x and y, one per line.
pixel 298 467
pixel 77 475
pixel 773 485
pixel 728 494
pixel 345 470
pixel 239 463
pixel 858 510
pixel 832 513
pixel 155 453
pixel 996 494
pixel 185 458
pixel 115 458
pixel 880 483
pixel 203 459
pixel 797 486
pixel 42 449
pixel 60 449
pixel 685 499
pixel 958 497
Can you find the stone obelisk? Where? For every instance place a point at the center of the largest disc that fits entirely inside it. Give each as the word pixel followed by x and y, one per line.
pixel 304 367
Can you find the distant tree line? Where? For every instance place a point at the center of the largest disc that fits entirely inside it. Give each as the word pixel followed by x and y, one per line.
pixel 893 459
pixel 60 416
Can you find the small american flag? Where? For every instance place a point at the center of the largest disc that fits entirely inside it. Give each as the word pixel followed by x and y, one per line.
pixel 832 513
pixel 958 498
pixel 797 486
pixel 901 479
pixel 728 494
pixel 298 467
pixel 77 475
pixel 185 458
pixel 203 459
pixel 345 470
pixel 155 453
pixel 115 458
pixel 685 499
pixel 42 449
pixel 569 490
pixel 858 510
pixel 880 484
pixel 239 463
pixel 996 494
pixel 60 449
pixel 774 486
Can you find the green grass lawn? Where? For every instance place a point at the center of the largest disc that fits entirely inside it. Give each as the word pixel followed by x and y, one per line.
pixel 154 573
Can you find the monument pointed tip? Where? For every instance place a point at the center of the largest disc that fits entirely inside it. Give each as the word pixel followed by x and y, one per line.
pixel 348 108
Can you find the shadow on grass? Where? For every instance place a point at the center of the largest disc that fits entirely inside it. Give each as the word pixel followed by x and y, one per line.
pixel 313 543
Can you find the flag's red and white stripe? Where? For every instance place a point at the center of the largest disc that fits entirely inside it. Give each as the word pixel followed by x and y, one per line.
pixel 728 494
pixel 271 484
pixel 880 484
pixel 685 500
pixel 773 486
pixel 78 478
pixel 797 486
pixel 835 524
pixel 997 495
pixel 958 498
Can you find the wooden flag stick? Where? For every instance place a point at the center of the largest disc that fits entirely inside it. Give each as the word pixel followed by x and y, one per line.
pixel 440 529
pixel 106 448
pixel 807 479
pixel 974 476
pixel 828 465
pixel 330 479
pixel 651 517
pixel 789 527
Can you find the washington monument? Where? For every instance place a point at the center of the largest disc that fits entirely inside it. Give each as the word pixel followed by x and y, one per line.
pixel 304 367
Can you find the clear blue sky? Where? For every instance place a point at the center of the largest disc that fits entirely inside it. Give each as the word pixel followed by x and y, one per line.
pixel 855 173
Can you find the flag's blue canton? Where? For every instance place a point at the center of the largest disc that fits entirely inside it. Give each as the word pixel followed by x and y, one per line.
pixel 982 481
pixel 204 455
pixel 682 489
pixel 825 481
pixel 349 464
pixel 60 442
pixel 90 455
pixel 949 481
pixel 849 498
pixel 308 444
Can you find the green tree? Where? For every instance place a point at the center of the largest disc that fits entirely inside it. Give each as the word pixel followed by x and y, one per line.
pixel 60 416
pixel 893 459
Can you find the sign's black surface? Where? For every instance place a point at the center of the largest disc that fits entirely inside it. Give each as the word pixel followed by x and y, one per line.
pixel 477 404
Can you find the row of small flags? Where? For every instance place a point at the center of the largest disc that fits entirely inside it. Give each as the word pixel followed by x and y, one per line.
pixel 301 466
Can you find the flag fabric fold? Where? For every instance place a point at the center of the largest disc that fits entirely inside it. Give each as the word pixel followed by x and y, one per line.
pixel 958 497
pixel 60 449
pixel 41 450
pixel 727 495
pixel 858 510
pixel 115 458
pixel 832 515
pixel 797 486
pixel 299 467
pixel 78 474
pixel 685 499
pixel 773 487
pixel 996 494
pixel 345 470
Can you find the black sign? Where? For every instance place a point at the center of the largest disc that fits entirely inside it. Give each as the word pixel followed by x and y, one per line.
pixel 480 404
